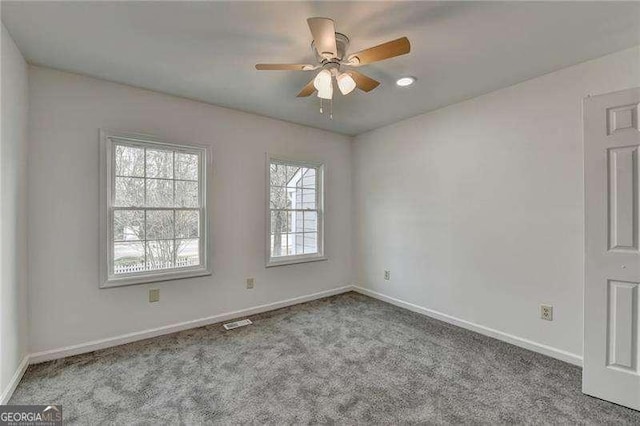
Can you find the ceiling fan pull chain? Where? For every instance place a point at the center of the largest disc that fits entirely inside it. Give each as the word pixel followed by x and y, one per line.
pixel 331 109
pixel 321 106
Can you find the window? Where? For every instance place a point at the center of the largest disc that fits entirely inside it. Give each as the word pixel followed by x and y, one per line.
pixel 295 212
pixel 155 210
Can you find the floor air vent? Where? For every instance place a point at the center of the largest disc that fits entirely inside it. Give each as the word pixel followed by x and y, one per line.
pixel 236 324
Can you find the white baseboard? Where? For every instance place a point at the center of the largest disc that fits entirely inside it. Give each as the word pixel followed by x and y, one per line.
pixel 146 334
pixel 514 340
pixel 17 376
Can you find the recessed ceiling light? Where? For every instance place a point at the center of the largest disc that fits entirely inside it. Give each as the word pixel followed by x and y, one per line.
pixel 405 81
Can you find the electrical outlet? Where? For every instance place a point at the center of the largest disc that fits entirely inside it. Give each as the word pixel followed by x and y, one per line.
pixel 387 275
pixel 250 282
pixel 154 295
pixel 546 312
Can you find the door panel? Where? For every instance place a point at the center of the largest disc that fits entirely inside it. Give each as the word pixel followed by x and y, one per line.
pixel 623 330
pixel 612 250
pixel 623 200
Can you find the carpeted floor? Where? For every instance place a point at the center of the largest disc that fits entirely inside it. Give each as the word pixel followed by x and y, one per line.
pixel 344 359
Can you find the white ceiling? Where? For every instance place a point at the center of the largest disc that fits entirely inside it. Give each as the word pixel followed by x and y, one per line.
pixel 207 50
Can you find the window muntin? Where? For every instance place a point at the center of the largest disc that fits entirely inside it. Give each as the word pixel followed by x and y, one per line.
pixel 295 212
pixel 156 211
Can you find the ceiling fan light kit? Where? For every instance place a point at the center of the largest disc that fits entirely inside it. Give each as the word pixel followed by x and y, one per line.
pixel 330 49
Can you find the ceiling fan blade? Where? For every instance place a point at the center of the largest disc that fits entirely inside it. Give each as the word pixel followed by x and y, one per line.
pixel 285 67
pixel 381 52
pixel 323 31
pixel 307 90
pixel 364 83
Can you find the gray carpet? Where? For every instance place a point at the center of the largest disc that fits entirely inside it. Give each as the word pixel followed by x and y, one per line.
pixel 345 359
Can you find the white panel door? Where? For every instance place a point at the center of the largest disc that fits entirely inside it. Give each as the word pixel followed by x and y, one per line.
pixel 612 251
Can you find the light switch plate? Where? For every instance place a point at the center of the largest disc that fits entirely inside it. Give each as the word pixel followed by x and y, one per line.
pixel 250 282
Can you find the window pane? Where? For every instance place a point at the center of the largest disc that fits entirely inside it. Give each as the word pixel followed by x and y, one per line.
pixel 298 222
pixel 278 221
pixel 310 222
pixel 186 166
pixel 310 243
pixel 284 244
pixel 291 222
pixel 308 199
pixel 187 253
pixel 295 196
pixel 293 176
pixel 291 244
pixel 279 199
pixel 299 244
pixel 129 192
pixel 159 163
pixel 187 194
pixel 159 193
pixel 160 254
pixel 187 223
pixel 128 225
pixel 128 257
pixel 278 245
pixel 309 178
pixel 294 220
pixel 159 224
pixel 278 175
pixel 129 161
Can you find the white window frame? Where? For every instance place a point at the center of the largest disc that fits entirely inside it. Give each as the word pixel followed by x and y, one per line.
pixel 108 279
pixel 321 208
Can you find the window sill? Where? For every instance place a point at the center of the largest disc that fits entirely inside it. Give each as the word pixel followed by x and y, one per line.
pixel 294 260
pixel 146 279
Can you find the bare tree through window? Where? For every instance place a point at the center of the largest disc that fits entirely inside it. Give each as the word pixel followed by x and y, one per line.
pixel 156 209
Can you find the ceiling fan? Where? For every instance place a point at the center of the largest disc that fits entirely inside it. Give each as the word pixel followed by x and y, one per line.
pixel 330 49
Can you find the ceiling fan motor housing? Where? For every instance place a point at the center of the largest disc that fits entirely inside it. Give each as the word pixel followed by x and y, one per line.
pixel 342 44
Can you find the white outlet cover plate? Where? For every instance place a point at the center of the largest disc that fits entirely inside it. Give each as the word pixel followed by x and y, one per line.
pixel 548 317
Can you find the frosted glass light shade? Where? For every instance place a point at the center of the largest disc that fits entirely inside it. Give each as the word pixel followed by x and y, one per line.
pixel 322 80
pixel 326 92
pixel 346 83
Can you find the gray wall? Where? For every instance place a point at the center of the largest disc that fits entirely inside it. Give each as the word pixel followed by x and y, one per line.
pixel 67 307
pixel 477 208
pixel 13 213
